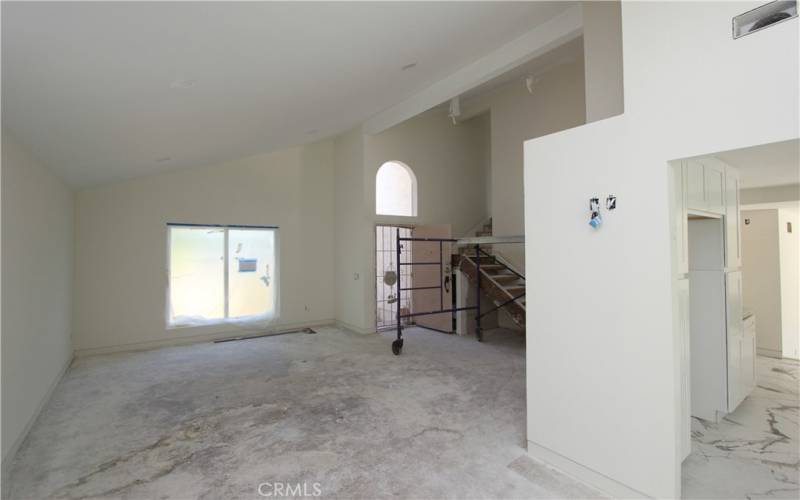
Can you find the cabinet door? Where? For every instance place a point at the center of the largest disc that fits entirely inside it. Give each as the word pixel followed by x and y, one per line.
pixel 684 345
pixel 733 307
pixel 733 242
pixel 695 185
pixel 748 373
pixel 714 182
pixel 680 229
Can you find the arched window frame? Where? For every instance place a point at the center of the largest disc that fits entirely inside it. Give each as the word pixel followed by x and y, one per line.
pixel 413 179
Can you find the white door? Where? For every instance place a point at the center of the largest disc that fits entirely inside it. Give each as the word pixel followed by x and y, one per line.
pixel 432 278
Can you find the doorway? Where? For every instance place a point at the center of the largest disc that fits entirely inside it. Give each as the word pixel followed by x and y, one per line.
pixel 385 273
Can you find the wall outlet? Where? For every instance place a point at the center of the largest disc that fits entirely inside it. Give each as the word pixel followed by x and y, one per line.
pixel 356 276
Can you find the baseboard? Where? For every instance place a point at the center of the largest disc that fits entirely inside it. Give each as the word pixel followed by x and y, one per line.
pixel 195 339
pixel 347 326
pixel 12 452
pixel 768 353
pixel 582 473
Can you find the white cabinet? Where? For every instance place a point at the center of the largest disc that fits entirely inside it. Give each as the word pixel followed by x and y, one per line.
pixel 733 237
pixel 721 358
pixel 707 319
pixel 749 354
pixel 695 187
pixel 683 342
pixel 741 371
pixel 706 185
pixel 679 220
pixel 714 176
pixel 748 363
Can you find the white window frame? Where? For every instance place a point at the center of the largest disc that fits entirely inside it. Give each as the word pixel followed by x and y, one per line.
pixel 225 227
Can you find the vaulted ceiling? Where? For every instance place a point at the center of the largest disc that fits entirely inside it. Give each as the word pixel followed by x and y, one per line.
pixel 105 91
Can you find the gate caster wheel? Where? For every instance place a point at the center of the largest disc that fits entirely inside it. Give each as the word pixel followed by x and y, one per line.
pixel 397 346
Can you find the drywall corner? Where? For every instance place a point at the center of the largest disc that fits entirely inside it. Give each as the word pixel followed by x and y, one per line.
pixel 37 262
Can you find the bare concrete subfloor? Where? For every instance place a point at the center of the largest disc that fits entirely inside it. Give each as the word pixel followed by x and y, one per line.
pixel 334 411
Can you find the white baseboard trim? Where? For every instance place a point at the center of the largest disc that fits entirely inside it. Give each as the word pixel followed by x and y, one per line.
pixel 582 473
pixel 347 326
pixel 7 460
pixel 195 339
pixel 768 353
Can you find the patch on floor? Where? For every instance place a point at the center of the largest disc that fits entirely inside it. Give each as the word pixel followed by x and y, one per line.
pixel 336 409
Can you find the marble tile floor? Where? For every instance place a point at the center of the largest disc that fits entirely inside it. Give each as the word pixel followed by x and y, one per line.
pixel 754 452
pixel 446 419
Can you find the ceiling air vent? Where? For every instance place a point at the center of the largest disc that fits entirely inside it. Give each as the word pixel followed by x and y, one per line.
pixel 763 17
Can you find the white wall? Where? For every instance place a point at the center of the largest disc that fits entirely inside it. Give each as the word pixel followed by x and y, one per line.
pixel 602 376
pixel 761 277
pixel 790 282
pixel 602 52
pixel 557 103
pixel 121 247
pixel 37 251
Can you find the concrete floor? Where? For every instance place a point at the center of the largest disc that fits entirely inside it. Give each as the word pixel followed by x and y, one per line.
pixel 335 411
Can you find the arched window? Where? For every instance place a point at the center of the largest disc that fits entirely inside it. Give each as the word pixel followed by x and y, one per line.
pixel 395 190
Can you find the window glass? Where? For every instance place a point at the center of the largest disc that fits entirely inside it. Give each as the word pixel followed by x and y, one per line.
pixel 395 190
pixel 197 274
pixel 198 260
pixel 251 272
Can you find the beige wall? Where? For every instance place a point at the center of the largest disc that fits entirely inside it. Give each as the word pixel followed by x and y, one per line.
pixel 121 248
pixel 557 103
pixel 771 194
pixel 602 51
pixel 37 251
pixel 790 281
pixel 353 238
pixel 450 163
pixel 771 278
pixel 761 284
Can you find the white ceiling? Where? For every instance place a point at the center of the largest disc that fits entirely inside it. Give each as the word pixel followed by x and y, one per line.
pixel 87 87
pixel 775 164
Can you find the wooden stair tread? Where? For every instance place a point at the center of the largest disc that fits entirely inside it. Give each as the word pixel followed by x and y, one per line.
pixel 505 277
pixel 498 281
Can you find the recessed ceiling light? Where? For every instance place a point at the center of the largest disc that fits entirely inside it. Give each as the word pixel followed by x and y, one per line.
pixel 408 66
pixel 183 84
pixel 162 160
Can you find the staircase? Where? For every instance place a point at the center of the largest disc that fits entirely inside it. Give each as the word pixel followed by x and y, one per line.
pixel 502 284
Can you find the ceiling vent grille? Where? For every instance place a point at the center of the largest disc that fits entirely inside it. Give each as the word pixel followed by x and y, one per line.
pixel 763 17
